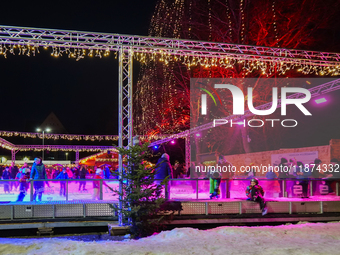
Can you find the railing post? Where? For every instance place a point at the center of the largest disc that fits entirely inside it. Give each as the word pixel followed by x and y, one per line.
pixel 310 187
pixel 101 190
pixel 66 190
pixel 196 188
pixel 166 192
pixel 284 188
pixel 337 188
pixel 31 190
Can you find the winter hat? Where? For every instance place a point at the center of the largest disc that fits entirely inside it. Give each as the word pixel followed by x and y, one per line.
pixel 255 180
pixel 334 160
pixel 284 160
pixel 317 161
pixel 98 171
pixel 299 164
pixel 166 156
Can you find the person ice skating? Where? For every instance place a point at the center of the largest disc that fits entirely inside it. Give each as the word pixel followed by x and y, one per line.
pixel 255 193
pixel 96 184
pixel 283 174
pixel 6 175
pixel 82 176
pixel 63 176
pixel 163 170
pixel 215 180
pixel 303 174
pixel 25 175
pixel 13 171
pixel 38 172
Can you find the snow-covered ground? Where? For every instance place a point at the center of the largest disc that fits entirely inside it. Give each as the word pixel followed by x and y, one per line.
pixel 306 238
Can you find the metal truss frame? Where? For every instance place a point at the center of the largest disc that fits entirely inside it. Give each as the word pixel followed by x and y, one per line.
pixel 125 121
pixel 6 144
pixel 180 47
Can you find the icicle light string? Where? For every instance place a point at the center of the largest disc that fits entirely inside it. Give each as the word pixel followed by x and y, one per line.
pixel 72 137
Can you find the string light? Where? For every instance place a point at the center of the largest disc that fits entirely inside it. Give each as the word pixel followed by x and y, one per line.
pixel 229 21
pixel 209 19
pixel 242 20
pixel 274 24
pixel 71 137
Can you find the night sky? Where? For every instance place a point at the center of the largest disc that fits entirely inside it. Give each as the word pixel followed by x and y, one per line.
pixel 82 94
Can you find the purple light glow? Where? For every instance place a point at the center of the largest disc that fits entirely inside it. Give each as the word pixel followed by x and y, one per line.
pixel 321 100
pixel 172 142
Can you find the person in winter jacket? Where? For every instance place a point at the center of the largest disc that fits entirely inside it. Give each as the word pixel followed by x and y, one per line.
pixel 303 174
pixel 215 180
pixel 13 170
pixel 82 176
pixel 254 192
pixel 6 175
pixel 163 170
pixel 25 175
pixel 38 172
pixel 63 176
pixel 283 173
pixel 96 184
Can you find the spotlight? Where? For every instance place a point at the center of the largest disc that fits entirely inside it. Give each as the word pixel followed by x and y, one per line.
pixel 155 147
pixel 321 100
pixel 198 134
pixel 172 142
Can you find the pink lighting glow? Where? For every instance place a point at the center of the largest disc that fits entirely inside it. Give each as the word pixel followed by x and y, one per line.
pixel 320 100
pixel 172 142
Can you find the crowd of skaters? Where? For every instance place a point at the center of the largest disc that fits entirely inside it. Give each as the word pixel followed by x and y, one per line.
pixel 294 171
pixel 297 170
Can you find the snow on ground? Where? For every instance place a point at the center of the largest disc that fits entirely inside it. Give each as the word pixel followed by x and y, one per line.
pixel 307 238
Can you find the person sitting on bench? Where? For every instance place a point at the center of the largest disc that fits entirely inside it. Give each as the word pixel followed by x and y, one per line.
pixel 255 193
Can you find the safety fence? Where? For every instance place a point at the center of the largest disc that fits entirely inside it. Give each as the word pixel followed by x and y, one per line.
pixel 181 189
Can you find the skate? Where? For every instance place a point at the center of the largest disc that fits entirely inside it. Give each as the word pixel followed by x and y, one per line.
pixel 213 195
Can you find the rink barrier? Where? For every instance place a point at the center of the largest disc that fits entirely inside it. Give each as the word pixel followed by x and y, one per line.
pixel 10 210
pixel 225 185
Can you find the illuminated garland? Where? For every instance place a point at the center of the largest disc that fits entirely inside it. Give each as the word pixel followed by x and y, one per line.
pixel 257 63
pixel 106 160
pixel 72 137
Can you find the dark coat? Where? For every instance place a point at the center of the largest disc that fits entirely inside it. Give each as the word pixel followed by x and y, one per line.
pixel 163 169
pixel 62 176
pixel 82 173
pixel 38 172
pixel 107 173
pixel 6 175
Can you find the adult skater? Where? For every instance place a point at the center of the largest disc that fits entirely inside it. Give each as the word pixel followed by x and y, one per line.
pixel 163 170
pixel 6 175
pixel 63 176
pixel 25 175
pixel 38 172
pixel 255 193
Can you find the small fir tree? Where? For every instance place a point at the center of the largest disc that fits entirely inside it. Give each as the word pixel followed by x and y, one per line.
pixel 143 204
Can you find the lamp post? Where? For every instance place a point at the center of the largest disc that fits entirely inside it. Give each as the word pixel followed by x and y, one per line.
pixel 43 139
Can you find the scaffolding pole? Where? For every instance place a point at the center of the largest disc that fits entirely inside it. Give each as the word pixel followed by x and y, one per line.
pixel 125 122
pixel 187 152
